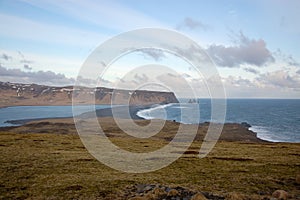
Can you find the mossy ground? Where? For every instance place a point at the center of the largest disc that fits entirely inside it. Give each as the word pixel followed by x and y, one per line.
pixel 57 166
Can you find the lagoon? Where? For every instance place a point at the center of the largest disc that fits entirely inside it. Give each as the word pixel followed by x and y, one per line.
pixel 41 112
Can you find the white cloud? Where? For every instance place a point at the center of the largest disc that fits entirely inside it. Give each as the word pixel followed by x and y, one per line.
pixel 238 87
pixel 192 24
pixel 275 84
pixel 248 51
pixel 281 79
pixel 155 54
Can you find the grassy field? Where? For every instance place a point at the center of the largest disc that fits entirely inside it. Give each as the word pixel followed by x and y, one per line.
pixel 57 166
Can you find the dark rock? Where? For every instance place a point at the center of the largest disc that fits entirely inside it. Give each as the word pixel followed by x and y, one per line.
pixel 158 192
pixel 147 188
pixel 140 188
pixel 245 124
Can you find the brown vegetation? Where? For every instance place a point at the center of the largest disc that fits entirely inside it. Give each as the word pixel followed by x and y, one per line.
pixel 39 162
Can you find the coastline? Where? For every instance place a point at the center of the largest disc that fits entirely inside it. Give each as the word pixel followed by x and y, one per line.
pixel 105 112
pixel 133 110
pixel 51 149
pixel 50 155
pixel 240 132
pixel 267 128
pixel 232 132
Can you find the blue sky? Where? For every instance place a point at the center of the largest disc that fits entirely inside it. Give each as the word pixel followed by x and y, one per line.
pixel 255 44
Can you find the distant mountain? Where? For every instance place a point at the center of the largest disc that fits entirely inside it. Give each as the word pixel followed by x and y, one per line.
pixel 13 94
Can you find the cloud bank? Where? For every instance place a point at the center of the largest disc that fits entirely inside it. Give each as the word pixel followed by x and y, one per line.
pixel 281 79
pixel 39 77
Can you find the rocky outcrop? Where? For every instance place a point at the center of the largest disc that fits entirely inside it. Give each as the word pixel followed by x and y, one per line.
pixel 32 94
pixel 157 192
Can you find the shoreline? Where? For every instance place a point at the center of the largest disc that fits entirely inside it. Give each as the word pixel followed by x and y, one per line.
pixel 105 112
pixel 240 165
pixel 232 132
pixel 119 113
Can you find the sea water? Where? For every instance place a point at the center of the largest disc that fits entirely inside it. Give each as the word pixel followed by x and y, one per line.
pixel 276 120
pixel 41 112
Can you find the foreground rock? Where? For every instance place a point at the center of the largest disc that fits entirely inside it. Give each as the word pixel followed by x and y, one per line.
pixel 280 195
pixel 158 192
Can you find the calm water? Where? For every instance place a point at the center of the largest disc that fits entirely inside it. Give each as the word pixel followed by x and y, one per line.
pixel 36 112
pixel 272 119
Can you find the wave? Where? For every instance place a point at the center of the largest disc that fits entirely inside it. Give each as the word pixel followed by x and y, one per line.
pixel 179 107
pixel 146 113
pixel 262 133
pixel 281 125
pixel 265 134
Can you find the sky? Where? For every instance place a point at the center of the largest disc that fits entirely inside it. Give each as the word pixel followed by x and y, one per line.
pixel 254 44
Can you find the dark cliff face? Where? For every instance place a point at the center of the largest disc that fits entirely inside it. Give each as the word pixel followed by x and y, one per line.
pixel 33 94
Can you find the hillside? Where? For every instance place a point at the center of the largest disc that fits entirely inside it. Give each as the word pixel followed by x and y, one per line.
pixel 13 94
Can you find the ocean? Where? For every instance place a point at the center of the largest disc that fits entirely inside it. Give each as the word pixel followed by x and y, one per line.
pixel 40 112
pixel 276 120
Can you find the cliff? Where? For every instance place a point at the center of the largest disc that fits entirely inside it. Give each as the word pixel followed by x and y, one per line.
pixel 13 94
